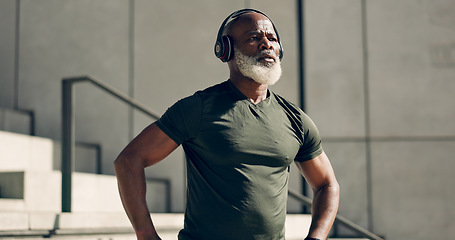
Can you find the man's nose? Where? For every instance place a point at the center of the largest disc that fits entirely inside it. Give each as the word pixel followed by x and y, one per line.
pixel 266 44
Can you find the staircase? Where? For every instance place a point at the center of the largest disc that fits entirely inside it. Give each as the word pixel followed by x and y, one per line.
pixel 30 199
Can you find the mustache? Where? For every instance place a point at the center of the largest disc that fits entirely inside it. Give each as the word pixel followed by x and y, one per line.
pixel 267 53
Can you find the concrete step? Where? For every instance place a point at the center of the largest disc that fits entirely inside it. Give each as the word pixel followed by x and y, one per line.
pixel 29 191
pixel 29 181
pixel 114 226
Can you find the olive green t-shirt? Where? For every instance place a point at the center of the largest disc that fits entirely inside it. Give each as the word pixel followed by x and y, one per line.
pixel 238 154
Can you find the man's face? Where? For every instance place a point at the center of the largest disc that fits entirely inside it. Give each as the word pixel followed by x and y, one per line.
pixel 254 33
pixel 256 49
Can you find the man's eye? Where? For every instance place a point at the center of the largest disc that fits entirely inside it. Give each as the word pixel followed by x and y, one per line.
pixel 273 39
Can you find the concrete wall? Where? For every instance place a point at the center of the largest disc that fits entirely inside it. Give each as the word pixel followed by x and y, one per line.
pixel 379 83
pixel 380 87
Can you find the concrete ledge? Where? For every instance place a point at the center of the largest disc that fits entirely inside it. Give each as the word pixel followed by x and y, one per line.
pixel 14 221
pixel 69 221
pixel 297 226
pixel 91 193
pixel 92 220
pixel 42 221
pixel 23 234
pixel 20 152
pixel 82 225
pixel 8 205
pixel 168 220
pixel 93 231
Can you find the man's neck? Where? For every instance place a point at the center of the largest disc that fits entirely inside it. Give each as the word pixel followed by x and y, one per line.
pixel 254 91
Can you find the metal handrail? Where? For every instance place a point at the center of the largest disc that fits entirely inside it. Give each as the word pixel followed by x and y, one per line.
pixel 340 219
pixel 68 128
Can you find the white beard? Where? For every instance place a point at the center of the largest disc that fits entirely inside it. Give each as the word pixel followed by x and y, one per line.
pixel 262 73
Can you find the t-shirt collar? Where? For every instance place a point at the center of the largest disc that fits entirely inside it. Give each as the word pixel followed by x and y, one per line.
pixel 242 97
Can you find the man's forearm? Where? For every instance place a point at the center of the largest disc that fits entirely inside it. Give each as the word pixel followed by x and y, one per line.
pixel 324 210
pixel 132 188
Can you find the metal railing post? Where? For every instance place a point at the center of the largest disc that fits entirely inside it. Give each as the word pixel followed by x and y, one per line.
pixel 68 131
pixel 67 144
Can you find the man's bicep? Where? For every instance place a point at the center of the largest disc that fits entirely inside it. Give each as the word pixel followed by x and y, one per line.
pixel 152 145
pixel 317 171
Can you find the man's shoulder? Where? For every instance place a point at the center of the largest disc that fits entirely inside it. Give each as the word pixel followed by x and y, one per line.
pixel 214 89
pixel 286 104
pixel 201 94
pixel 206 97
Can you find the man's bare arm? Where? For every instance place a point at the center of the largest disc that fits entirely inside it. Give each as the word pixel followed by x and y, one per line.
pixel 150 147
pixel 319 174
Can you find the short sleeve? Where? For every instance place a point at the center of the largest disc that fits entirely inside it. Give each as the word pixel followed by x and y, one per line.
pixel 311 145
pixel 181 121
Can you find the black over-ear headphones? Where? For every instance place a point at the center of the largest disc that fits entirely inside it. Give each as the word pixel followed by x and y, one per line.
pixel 224 45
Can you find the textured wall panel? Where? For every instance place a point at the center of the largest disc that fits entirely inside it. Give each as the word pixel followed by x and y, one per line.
pixel 414 189
pixel 349 163
pixel 7 52
pixel 67 38
pixel 412 75
pixel 334 63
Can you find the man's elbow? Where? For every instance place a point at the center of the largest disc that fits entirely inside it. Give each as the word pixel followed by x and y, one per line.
pixel 336 188
pixel 126 162
pixel 120 163
pixel 332 188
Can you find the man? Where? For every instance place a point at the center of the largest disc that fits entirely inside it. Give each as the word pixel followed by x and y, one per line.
pixel 239 139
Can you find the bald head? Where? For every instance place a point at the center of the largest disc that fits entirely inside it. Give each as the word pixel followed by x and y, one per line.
pixel 246 27
pixel 247 20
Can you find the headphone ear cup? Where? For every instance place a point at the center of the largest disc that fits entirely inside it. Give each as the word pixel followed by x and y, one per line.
pixel 228 48
pixel 219 48
pixel 223 49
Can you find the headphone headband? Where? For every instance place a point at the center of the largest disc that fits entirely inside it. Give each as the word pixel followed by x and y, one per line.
pixel 223 46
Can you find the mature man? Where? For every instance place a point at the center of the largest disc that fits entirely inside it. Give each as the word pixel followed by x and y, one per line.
pixel 239 139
